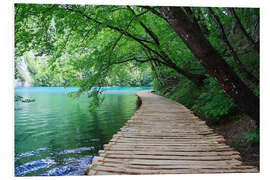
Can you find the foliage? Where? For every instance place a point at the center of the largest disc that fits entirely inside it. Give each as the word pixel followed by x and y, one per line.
pixel 235 144
pixel 208 101
pixel 96 100
pixel 65 71
pixel 186 93
pixel 41 74
pixel 252 135
pixel 213 103
pixel 95 46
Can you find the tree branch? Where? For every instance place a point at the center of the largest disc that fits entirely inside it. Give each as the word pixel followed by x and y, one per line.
pixel 111 27
pixel 148 30
pixel 154 12
pixel 130 59
pixel 249 40
pixel 237 61
pixel 119 38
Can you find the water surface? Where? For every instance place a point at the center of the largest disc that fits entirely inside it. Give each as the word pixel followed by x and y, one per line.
pixel 57 135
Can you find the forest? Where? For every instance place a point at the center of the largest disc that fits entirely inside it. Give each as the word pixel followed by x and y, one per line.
pixel 204 58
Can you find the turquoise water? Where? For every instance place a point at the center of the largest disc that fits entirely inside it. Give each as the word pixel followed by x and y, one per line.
pixel 57 135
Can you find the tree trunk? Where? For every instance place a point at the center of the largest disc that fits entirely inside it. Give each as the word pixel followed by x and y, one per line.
pixel 212 61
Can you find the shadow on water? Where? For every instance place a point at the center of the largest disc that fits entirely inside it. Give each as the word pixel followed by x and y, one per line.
pixel 56 136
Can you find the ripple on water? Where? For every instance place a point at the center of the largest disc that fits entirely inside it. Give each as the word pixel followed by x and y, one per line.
pixel 73 167
pixel 61 171
pixel 95 140
pixel 75 151
pixel 29 153
pixel 43 133
pixel 33 166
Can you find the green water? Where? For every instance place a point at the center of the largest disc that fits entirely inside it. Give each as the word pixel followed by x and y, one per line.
pixel 57 135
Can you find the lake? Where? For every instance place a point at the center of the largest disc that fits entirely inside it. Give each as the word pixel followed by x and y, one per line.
pixel 58 136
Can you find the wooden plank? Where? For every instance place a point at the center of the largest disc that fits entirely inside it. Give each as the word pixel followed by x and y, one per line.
pixel 107 173
pixel 169 133
pixel 167 153
pixel 171 157
pixel 179 145
pixel 175 167
pixel 164 136
pixel 168 148
pixel 171 171
pixel 161 141
pixel 142 129
pixel 154 162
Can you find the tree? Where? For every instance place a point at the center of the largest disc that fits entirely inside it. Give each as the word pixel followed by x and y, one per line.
pixel 192 36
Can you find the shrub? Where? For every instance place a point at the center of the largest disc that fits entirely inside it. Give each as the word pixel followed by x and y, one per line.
pixel 213 103
pixel 253 135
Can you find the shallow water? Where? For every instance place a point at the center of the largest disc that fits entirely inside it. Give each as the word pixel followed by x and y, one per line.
pixel 56 135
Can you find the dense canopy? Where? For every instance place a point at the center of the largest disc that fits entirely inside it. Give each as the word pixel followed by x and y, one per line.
pixel 206 58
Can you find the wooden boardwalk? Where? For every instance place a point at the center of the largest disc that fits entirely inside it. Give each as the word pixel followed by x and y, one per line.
pixel 164 137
